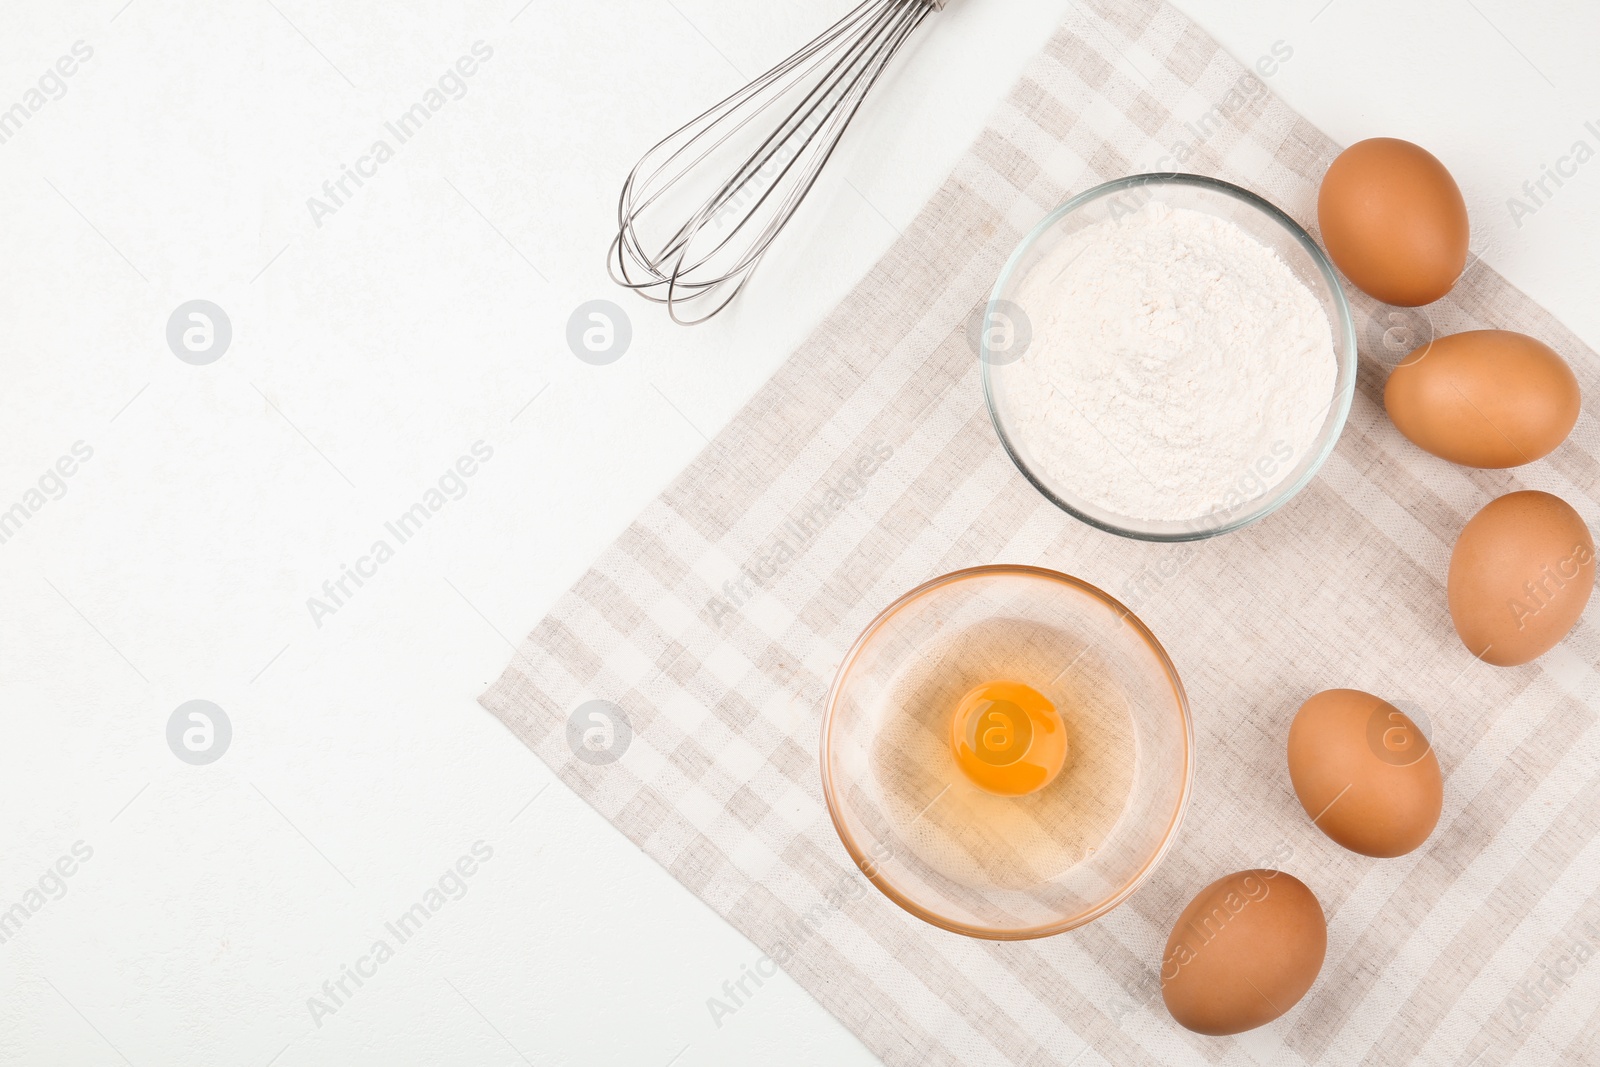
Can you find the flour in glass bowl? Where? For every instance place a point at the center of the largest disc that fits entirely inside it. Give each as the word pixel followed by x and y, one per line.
pixel 1177 367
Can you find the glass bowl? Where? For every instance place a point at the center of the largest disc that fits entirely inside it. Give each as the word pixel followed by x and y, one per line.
pixel 958 855
pixel 1000 350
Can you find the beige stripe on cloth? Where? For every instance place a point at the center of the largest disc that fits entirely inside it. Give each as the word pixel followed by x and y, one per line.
pixel 1436 957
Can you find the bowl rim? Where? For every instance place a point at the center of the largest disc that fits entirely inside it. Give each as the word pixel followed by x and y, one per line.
pixel 1347 354
pixel 873 870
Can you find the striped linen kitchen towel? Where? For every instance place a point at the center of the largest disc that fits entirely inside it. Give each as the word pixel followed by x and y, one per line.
pixel 867 465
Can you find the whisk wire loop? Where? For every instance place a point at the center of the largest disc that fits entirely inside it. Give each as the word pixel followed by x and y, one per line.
pixel 701 208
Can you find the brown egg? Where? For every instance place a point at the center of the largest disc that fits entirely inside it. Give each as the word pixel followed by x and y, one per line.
pixel 1520 576
pixel 1394 221
pixel 1243 952
pixel 1364 773
pixel 1485 398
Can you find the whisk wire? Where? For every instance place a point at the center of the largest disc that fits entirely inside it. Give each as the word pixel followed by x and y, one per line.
pixel 729 105
pixel 838 117
pixel 693 266
pixel 770 147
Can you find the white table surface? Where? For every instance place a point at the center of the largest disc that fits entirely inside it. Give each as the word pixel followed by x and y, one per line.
pixel 368 354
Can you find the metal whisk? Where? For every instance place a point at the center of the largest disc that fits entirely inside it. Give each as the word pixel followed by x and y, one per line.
pixel 697 267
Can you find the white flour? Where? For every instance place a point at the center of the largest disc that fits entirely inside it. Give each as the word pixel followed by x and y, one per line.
pixel 1177 367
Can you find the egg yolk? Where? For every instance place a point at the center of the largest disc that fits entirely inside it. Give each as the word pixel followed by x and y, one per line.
pixel 1008 739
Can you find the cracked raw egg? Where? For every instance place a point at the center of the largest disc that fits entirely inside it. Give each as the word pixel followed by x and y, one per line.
pixel 1008 739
